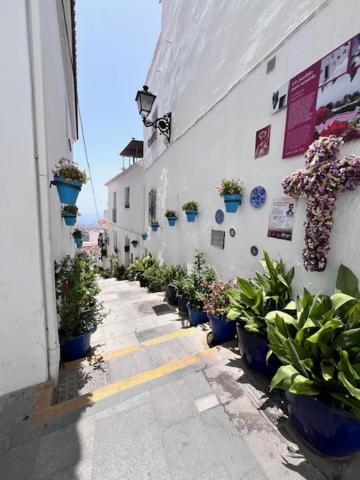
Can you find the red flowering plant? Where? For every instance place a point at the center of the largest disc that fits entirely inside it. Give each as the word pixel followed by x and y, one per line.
pixel 216 302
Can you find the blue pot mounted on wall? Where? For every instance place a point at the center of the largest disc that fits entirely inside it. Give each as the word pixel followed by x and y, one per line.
pixel 68 190
pixel 223 331
pixel 196 316
pixel 154 227
pixel 70 218
pixel 144 236
pixel 172 221
pixel 254 349
pixel 191 215
pixel 232 202
pixel 78 241
pixel 328 429
pixel 77 347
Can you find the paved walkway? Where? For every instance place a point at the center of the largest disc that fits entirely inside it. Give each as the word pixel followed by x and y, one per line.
pixel 154 402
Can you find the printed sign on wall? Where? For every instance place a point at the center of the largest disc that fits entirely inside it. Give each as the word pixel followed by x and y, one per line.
pixel 281 219
pixel 262 142
pixel 324 100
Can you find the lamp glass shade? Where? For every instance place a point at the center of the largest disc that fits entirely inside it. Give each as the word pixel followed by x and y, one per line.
pixel 145 101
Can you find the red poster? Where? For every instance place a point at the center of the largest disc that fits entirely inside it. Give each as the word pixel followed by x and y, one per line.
pixel 324 100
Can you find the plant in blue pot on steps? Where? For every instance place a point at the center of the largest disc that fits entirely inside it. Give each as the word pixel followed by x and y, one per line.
pixel 250 302
pixel 78 237
pixel 77 305
pixel 154 225
pixel 69 214
pixel 196 288
pixel 231 189
pixel 68 179
pixel 216 305
pixel 318 348
pixel 171 217
pixel 191 210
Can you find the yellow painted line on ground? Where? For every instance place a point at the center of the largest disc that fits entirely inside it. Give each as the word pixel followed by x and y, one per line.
pixel 44 395
pixel 89 399
pixel 119 352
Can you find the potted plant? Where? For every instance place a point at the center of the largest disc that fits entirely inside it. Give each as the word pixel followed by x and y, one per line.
pixel 231 189
pixel 195 286
pixel 155 277
pixel 144 235
pixel 136 270
pixel 68 179
pixel 173 273
pixel 318 348
pixel 78 236
pixel 134 243
pixel 120 272
pixel 154 224
pixel 216 305
pixel 250 302
pixel 171 216
pixel 181 291
pixel 191 209
pixel 77 305
pixel 69 213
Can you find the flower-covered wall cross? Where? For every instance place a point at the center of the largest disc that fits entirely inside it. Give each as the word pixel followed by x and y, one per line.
pixel 319 182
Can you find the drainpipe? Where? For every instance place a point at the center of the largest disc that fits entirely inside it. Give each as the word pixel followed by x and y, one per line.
pixel 42 179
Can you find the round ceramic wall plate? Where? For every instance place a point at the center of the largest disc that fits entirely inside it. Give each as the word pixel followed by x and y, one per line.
pixel 258 197
pixel 232 232
pixel 254 250
pixel 219 216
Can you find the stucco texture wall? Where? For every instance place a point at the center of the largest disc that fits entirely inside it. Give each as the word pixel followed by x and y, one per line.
pixel 203 50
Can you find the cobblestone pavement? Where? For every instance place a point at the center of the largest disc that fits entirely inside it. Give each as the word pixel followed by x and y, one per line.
pixel 154 402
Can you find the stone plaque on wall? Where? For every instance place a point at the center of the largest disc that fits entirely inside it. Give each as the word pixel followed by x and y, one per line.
pixel 218 238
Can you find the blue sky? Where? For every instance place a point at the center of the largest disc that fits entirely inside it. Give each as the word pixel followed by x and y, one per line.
pixel 115 43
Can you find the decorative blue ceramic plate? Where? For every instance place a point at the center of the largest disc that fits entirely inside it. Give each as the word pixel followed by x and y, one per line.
pixel 258 197
pixel 219 216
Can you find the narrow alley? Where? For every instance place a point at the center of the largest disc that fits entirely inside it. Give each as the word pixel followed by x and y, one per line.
pixel 153 401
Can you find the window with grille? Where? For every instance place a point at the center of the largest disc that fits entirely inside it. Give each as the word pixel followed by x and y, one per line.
pixel 114 212
pixel 152 205
pixel 127 197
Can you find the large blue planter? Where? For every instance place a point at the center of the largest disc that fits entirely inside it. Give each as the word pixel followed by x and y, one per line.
pixel 191 215
pixel 68 190
pixel 223 331
pixel 196 316
pixel 328 429
pixel 78 241
pixel 77 347
pixel 70 218
pixel 144 236
pixel 172 221
pixel 254 349
pixel 232 202
pixel 154 227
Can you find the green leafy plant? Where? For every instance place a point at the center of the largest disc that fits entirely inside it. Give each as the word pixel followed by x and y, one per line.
pixel 77 233
pixel 251 300
pixel 192 205
pixel 196 284
pixel 230 186
pixel 319 348
pixel 136 270
pixel 76 294
pixel 173 273
pixel 68 169
pixel 170 213
pixel 153 221
pixel 72 209
pixel 155 276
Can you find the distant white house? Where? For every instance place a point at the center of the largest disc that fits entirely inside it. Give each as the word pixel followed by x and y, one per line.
pixel 216 70
pixel 38 125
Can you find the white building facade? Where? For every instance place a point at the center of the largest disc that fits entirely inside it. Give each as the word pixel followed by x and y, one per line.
pixel 38 127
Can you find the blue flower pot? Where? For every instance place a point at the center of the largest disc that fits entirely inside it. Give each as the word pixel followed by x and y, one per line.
pixel 254 348
pixel 144 236
pixel 190 215
pixel 330 430
pixel 76 347
pixel 223 331
pixel 154 227
pixel 172 221
pixel 68 190
pixel 78 241
pixel 232 202
pixel 196 316
pixel 70 218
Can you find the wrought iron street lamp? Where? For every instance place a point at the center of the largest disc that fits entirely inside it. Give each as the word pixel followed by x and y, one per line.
pixel 145 100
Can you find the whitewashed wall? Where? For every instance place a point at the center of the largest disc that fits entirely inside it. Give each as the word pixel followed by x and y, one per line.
pixel 204 49
pixel 129 223
pixel 27 298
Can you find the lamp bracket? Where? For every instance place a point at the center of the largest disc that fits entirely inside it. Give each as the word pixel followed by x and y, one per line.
pixel 163 124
